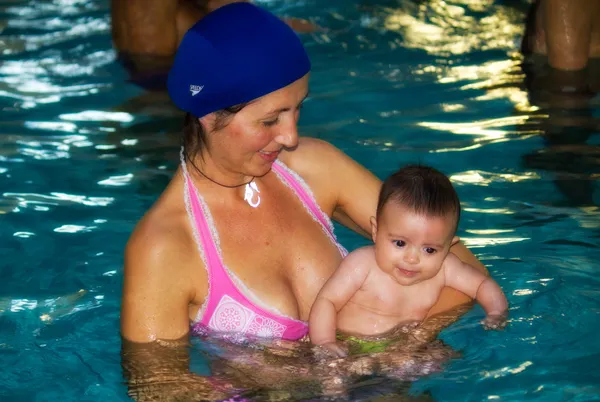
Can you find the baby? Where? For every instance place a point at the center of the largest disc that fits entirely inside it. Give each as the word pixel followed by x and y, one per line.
pixel 398 279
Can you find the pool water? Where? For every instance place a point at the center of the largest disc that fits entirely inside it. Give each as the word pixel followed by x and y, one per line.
pixel 84 153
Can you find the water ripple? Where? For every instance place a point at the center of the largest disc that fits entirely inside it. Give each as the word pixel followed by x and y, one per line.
pixel 33 200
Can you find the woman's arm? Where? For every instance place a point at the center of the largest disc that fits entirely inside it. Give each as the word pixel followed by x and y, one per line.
pixel 159 371
pixel 156 289
pixel 155 320
pixel 344 189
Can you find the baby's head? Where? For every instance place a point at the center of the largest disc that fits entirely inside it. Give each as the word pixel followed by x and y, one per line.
pixel 417 217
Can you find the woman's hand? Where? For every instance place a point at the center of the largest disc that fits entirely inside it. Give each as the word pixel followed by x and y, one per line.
pixel 160 371
pixel 155 316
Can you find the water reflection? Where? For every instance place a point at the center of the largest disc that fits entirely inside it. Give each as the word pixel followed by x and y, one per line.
pixel 75 139
pixel 560 107
pixel 569 101
pixel 455 27
pixel 49 309
pixel 268 370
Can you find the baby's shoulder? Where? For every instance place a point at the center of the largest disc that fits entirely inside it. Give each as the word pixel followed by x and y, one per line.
pixel 364 254
pixel 451 263
pixel 361 259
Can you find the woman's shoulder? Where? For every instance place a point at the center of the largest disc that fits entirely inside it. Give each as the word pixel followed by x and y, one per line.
pixel 310 148
pixel 161 240
pixel 159 282
pixel 313 156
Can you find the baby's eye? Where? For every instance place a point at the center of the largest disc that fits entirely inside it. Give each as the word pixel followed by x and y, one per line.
pixel 399 243
pixel 270 123
pixel 430 250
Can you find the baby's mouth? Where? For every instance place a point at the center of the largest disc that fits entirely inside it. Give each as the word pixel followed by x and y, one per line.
pixel 406 272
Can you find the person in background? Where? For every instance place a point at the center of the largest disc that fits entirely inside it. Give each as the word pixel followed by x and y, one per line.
pixel 561 46
pixel 567 32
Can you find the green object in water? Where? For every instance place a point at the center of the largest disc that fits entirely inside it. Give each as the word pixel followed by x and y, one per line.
pixel 357 346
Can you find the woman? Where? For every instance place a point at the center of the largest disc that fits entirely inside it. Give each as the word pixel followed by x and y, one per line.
pixel 241 239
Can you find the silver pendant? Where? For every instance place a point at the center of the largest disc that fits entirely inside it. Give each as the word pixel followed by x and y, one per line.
pixel 251 195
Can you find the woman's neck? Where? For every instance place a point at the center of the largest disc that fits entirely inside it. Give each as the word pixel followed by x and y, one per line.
pixel 209 170
pixel 228 184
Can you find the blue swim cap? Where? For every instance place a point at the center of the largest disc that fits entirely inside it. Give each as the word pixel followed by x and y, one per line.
pixel 235 54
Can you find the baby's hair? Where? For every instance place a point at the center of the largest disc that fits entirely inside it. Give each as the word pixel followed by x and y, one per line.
pixel 422 189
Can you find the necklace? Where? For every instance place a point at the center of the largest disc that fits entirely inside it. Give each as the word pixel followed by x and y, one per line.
pixel 251 192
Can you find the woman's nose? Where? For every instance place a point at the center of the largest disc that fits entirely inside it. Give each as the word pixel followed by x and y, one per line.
pixel 288 133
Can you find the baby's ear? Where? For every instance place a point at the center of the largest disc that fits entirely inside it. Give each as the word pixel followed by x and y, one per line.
pixel 373 229
pixel 455 240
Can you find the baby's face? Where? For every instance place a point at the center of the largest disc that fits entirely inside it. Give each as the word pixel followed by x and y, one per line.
pixel 410 247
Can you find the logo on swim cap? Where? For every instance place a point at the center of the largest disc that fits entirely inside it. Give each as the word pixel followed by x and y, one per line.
pixel 195 89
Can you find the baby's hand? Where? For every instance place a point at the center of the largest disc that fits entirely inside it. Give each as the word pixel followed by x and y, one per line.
pixel 408 326
pixel 494 321
pixel 329 350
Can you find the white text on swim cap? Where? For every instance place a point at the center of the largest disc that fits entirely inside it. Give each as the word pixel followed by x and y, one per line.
pixel 195 89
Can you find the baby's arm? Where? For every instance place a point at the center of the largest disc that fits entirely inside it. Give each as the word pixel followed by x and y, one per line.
pixel 338 290
pixel 474 283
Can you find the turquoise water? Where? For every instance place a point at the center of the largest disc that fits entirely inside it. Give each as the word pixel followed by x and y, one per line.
pixel 84 154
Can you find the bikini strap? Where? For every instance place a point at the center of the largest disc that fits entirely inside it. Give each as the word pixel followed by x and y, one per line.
pixel 302 191
pixel 200 225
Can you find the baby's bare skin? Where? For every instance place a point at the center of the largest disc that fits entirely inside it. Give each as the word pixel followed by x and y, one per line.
pixel 396 282
pixel 382 304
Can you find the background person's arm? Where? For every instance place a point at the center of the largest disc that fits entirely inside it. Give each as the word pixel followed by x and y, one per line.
pixel 568 27
pixel 156 27
pixel 145 27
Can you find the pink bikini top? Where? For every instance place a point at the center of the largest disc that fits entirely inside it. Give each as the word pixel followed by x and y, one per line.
pixel 227 308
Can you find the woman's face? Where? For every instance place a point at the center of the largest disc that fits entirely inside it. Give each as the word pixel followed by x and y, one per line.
pixel 252 139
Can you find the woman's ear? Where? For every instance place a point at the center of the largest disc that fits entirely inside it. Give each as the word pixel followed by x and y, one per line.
pixel 208 122
pixel 373 228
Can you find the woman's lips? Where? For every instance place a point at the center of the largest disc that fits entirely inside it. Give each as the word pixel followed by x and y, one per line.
pixel 269 156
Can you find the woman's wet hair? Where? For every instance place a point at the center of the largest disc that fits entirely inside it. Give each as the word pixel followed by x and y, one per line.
pixel 194 134
pixel 422 189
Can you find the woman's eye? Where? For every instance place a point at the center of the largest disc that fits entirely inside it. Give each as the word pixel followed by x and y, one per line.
pixel 270 123
pixel 430 250
pixel 399 243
